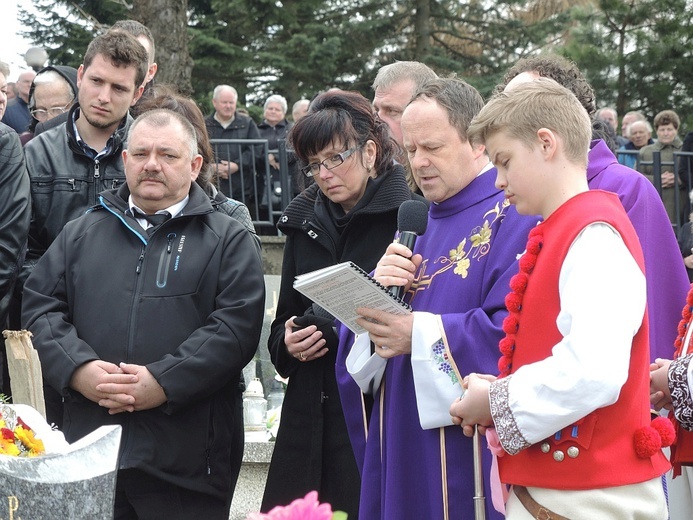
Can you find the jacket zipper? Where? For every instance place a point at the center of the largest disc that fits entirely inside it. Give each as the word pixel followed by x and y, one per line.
pixel 165 262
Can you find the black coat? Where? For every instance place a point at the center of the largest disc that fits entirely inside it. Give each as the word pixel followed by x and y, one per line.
pixel 186 302
pixel 242 127
pixel 313 451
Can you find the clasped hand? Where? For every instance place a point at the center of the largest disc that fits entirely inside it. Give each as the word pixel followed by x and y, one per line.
pixel 305 344
pixel 660 396
pixel 120 388
pixel 474 407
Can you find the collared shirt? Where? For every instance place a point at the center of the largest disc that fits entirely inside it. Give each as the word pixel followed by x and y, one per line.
pixel 83 144
pixel 174 210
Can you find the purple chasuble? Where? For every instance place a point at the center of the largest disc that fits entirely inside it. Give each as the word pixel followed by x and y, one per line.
pixel 470 252
pixel 667 281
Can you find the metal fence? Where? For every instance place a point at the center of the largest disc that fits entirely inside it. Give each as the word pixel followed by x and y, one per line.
pixel 683 173
pixel 267 192
pixel 264 191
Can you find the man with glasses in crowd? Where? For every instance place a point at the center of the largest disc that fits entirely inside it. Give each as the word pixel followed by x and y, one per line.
pixel 52 93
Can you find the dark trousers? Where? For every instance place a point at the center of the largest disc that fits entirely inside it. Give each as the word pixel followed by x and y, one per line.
pixel 140 496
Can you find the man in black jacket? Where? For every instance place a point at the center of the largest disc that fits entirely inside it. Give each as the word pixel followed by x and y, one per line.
pixel 70 164
pixel 14 224
pixel 144 312
pixel 234 163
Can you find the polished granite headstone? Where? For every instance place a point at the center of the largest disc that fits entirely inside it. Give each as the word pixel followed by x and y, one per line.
pixel 76 484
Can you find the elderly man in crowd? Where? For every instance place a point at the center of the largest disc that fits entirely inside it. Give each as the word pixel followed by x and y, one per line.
pixel 227 123
pixel 17 113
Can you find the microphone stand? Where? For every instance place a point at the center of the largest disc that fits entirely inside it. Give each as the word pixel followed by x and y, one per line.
pixel 479 499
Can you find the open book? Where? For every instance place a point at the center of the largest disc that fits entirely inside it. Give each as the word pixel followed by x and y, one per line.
pixel 342 288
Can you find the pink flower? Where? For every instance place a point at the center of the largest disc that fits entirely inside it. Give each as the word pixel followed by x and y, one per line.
pixel 307 508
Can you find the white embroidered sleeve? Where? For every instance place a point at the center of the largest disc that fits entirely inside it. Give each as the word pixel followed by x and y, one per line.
pixel 679 375
pixel 436 381
pixel 506 427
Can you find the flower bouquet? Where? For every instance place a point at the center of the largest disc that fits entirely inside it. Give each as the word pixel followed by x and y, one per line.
pixel 16 438
pixel 25 433
pixel 307 508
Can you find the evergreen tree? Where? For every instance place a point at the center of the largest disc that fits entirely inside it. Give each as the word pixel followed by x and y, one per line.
pixel 637 55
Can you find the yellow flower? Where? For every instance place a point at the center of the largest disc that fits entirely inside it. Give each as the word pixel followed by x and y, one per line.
pixel 27 438
pixel 9 448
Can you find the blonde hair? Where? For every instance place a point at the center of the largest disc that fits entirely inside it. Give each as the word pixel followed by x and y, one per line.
pixel 523 110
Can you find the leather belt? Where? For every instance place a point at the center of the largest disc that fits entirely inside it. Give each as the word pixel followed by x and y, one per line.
pixel 534 508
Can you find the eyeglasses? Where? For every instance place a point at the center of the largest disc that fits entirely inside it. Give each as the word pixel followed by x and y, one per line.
pixel 330 163
pixel 41 115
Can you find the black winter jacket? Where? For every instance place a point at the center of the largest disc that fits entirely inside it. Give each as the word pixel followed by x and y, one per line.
pixel 15 212
pixel 313 450
pixel 242 182
pixel 187 302
pixel 65 182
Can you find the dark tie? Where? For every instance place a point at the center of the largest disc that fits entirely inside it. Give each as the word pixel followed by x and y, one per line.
pixel 155 220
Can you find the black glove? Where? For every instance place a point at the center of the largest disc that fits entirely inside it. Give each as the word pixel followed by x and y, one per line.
pixel 324 325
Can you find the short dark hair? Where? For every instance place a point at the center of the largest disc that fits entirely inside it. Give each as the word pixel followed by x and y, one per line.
pixel 562 70
pixel 459 99
pixel 137 29
pixel 122 50
pixel 338 115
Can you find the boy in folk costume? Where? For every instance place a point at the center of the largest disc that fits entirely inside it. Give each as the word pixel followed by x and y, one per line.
pixel 671 387
pixel 570 406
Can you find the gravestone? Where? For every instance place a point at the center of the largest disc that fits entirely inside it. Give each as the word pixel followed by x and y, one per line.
pixel 77 483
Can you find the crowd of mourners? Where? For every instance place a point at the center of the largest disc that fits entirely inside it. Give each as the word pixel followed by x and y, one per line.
pixel 546 290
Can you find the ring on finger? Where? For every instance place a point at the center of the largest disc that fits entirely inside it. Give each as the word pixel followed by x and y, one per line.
pixel 300 355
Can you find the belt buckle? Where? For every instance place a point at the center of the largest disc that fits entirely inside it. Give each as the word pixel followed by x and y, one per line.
pixel 543 514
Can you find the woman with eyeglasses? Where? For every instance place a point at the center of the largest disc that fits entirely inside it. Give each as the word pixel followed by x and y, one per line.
pixel 348 214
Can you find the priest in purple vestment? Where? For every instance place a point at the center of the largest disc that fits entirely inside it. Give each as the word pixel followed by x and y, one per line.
pixel 414 462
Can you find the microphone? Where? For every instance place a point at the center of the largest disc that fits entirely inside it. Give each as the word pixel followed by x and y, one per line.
pixel 412 220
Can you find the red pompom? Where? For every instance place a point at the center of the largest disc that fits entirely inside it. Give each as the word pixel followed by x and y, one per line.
pixel 527 263
pixel 686 313
pixel 507 345
pixel 513 302
pixel 665 429
pixel 689 297
pixel 518 283
pixel 646 442
pixel 504 364
pixel 510 323
pixel 534 245
pixel 536 232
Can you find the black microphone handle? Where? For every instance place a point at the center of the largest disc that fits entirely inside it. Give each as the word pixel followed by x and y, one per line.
pixel 406 238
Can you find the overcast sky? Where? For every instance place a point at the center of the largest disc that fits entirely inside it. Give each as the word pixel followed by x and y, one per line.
pixel 13 46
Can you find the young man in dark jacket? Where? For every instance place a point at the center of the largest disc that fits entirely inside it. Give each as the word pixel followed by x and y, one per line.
pixel 144 312
pixel 70 164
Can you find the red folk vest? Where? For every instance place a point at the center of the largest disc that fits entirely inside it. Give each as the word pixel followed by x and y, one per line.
pixel 598 450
